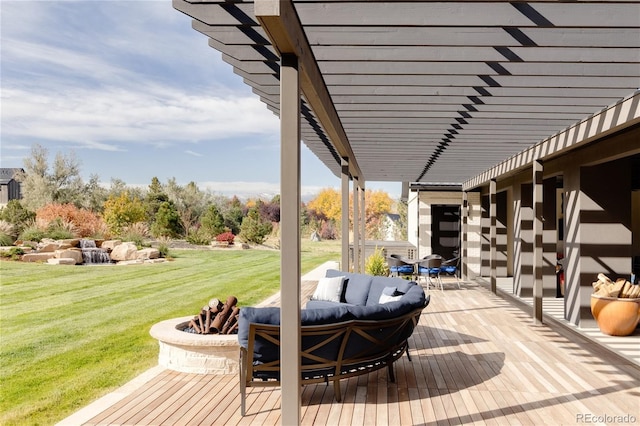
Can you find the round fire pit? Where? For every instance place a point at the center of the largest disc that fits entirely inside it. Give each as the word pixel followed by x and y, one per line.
pixel 195 353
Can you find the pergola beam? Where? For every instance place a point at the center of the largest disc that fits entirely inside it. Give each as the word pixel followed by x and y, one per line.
pixel 282 25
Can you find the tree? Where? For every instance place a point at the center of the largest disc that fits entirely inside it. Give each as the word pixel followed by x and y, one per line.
pixel 254 228
pixel 212 222
pixel 40 186
pixel 17 215
pixel 402 209
pixel 166 221
pixel 154 199
pixel 121 211
pixel 377 203
pixel 189 201
pixel 327 204
pixel 270 211
pixel 233 215
pixel 95 194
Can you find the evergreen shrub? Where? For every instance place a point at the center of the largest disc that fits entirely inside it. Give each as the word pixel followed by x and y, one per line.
pixel 376 264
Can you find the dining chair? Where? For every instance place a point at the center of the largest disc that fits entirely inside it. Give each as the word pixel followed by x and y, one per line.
pixel 400 268
pixel 429 268
pixel 451 268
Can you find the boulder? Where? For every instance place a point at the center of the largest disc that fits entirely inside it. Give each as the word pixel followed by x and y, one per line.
pixel 130 262
pixel 71 242
pixel 124 251
pixel 148 253
pixel 38 257
pixel 62 261
pixel 75 254
pixel 109 245
pixel 48 247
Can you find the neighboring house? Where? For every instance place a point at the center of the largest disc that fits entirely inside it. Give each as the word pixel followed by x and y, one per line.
pixel 391 226
pixel 9 186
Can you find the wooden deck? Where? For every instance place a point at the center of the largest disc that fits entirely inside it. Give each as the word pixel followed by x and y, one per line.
pixel 476 358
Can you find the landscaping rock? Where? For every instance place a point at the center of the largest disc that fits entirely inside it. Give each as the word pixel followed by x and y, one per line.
pixel 62 261
pixel 109 245
pixel 130 262
pixel 38 257
pixel 124 251
pixel 148 253
pixel 75 254
pixel 48 247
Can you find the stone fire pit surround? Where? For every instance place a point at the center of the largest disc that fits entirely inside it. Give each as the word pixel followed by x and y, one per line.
pixel 195 353
pixel 212 353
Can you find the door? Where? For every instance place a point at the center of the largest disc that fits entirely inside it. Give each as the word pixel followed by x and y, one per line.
pixel 445 230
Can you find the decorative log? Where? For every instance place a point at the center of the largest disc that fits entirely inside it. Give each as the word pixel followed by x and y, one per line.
pixel 215 305
pixel 193 325
pixel 222 316
pixel 216 317
pixel 233 318
pixel 234 328
pixel 207 324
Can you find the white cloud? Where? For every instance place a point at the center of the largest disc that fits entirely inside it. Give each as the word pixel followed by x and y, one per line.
pixel 91 118
pixel 255 189
pixel 195 154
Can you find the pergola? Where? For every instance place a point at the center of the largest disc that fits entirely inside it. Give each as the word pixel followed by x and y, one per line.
pixel 443 93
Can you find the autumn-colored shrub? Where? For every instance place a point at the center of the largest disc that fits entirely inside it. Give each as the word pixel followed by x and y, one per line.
pixel 86 223
pixel 225 236
pixel 328 231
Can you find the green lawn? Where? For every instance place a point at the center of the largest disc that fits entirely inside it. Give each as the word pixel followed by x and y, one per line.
pixel 70 334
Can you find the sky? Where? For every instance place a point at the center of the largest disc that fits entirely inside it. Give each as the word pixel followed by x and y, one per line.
pixel 133 92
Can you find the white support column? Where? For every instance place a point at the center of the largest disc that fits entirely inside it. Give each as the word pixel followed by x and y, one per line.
pixel 356 226
pixel 290 269
pixel 492 235
pixel 363 233
pixel 345 215
pixel 465 237
pixel 537 241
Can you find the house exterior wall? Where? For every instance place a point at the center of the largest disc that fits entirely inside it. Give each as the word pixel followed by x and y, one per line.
pixel 474 235
pixel 424 201
pixel 9 187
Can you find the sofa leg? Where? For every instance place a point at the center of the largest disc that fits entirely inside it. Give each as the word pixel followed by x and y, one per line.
pixel 392 376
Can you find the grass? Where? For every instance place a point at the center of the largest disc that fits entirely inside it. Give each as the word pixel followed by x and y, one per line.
pixel 71 334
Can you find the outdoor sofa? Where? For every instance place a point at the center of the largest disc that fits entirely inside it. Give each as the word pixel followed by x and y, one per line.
pixel 354 324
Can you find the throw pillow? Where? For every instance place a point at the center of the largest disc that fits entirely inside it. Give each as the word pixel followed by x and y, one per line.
pixel 389 294
pixel 329 289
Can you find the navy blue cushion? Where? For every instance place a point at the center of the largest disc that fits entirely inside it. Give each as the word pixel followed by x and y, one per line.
pixel 357 286
pixel 323 304
pixel 249 315
pixel 325 315
pixel 271 315
pixel 404 285
pixel 404 269
pixel 423 270
pixel 378 284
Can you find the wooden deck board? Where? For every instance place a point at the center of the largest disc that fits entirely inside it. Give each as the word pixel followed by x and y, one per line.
pixel 475 359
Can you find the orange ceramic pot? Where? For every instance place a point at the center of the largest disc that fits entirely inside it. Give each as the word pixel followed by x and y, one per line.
pixel 615 317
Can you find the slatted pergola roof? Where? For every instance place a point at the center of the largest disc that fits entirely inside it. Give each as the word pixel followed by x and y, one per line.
pixel 438 92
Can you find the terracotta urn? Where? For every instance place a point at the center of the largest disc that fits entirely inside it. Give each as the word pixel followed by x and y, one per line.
pixel 615 316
